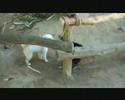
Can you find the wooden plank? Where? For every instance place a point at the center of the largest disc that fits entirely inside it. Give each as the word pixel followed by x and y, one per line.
pixel 93 20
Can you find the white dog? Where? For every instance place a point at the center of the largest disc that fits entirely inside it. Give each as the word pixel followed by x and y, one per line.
pixel 29 50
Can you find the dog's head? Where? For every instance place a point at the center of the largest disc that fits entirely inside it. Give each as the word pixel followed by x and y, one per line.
pixel 48 35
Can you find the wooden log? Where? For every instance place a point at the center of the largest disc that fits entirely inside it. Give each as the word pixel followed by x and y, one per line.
pixel 88 51
pixel 67 63
pixel 92 20
pixel 35 40
pixel 67 67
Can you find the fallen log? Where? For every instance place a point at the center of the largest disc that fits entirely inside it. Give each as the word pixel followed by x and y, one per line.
pixel 35 40
pixel 91 51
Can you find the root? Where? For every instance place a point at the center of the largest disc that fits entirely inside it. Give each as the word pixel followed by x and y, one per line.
pixel 33 69
pixel 50 17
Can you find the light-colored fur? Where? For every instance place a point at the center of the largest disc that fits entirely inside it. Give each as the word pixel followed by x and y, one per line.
pixel 29 50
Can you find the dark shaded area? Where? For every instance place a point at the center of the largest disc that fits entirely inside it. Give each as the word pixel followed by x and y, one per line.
pixel 75 62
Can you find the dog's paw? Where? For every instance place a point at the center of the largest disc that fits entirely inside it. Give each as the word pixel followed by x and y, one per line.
pixel 46 60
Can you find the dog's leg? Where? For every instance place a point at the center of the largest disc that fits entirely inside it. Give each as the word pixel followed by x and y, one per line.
pixel 45 51
pixel 40 55
pixel 28 56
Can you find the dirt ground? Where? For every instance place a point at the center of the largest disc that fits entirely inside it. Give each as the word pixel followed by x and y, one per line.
pixel 104 72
